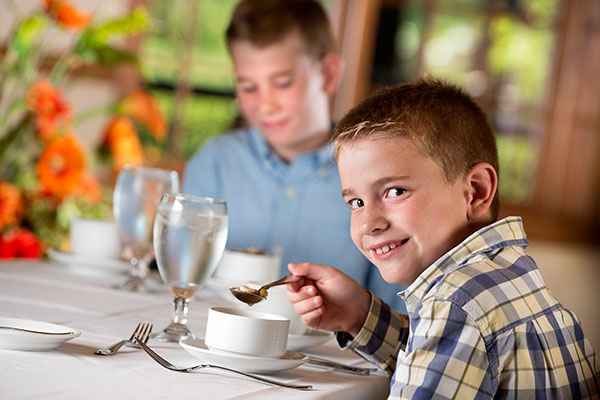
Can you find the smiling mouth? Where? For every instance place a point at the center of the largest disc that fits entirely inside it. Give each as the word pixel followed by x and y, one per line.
pixel 273 124
pixel 388 247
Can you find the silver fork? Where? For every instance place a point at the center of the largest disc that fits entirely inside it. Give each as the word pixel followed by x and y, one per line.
pixel 112 349
pixel 142 339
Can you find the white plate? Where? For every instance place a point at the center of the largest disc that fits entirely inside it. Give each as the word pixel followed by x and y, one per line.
pixel 258 365
pixel 23 334
pixel 90 265
pixel 309 339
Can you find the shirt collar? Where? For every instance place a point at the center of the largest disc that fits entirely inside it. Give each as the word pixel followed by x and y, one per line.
pixel 503 233
pixel 323 156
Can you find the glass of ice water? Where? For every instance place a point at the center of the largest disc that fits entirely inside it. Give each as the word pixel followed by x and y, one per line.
pixel 189 238
pixel 136 196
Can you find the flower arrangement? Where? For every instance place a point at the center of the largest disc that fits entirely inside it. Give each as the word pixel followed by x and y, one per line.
pixel 46 175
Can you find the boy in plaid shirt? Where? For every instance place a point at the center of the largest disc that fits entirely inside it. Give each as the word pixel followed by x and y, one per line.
pixel 418 165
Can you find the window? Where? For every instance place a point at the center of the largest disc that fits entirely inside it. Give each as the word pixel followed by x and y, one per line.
pixel 499 51
pixel 186 64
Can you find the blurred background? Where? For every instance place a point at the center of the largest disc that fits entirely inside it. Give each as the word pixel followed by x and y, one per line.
pixel 531 65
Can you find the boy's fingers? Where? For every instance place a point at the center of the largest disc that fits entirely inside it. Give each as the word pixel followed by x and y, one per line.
pixel 297 269
pixel 296 286
pixel 308 270
pixel 302 293
pixel 307 307
pixel 313 318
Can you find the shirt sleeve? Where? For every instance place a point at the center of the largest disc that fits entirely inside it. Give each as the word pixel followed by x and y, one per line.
pixel 382 336
pixel 201 173
pixel 446 356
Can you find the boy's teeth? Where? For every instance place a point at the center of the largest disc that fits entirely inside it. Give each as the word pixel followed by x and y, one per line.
pixel 386 248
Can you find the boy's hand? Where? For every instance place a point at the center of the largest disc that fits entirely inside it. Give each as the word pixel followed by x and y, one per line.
pixel 328 299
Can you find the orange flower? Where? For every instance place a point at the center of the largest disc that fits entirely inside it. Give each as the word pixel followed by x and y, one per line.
pixel 141 106
pixel 123 142
pixel 66 14
pixel 61 166
pixel 11 205
pixel 50 107
pixel 90 188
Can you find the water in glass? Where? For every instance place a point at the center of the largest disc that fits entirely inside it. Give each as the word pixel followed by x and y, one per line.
pixel 189 239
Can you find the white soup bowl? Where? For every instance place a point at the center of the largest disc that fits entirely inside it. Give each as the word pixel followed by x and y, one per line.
pixel 247 332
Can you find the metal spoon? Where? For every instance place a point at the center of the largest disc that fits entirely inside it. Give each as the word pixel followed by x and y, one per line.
pixel 253 296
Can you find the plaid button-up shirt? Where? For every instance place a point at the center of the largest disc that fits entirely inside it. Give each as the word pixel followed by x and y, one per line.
pixel 481 325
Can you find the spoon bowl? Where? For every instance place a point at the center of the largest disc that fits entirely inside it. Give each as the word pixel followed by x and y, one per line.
pixel 246 297
pixel 253 296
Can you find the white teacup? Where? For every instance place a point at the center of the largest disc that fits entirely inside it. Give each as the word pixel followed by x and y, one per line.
pixel 95 238
pixel 277 303
pixel 246 332
pixel 241 267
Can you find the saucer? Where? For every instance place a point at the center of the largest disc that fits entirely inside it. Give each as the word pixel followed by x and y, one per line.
pixel 241 362
pixel 23 334
pixel 90 265
pixel 310 339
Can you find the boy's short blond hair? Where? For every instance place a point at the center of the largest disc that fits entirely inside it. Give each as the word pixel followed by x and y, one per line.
pixel 441 120
pixel 265 22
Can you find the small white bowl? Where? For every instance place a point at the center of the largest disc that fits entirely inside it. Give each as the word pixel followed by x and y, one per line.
pixel 277 303
pixel 241 266
pixel 247 332
pixel 95 238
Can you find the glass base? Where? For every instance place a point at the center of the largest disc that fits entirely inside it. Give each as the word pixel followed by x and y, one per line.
pixel 174 333
pixel 135 284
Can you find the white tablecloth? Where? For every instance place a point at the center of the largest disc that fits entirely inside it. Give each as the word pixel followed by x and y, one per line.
pixel 49 292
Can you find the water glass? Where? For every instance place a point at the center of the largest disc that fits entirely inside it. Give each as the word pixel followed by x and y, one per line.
pixel 189 238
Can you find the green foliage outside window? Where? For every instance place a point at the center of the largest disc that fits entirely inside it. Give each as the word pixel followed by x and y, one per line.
pixel 498 51
pixel 165 54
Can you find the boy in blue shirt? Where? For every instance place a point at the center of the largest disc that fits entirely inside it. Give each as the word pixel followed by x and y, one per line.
pixel 418 169
pixel 277 176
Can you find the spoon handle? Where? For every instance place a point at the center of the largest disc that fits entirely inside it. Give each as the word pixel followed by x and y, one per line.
pixel 282 281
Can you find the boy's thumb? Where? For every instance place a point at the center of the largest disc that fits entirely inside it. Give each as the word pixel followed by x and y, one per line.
pixel 307 270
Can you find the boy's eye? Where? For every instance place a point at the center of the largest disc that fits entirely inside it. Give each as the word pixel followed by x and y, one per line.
pixel 283 83
pixel 245 87
pixel 396 192
pixel 356 203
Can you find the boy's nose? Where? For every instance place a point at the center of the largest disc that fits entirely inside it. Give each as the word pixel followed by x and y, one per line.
pixel 372 221
pixel 267 101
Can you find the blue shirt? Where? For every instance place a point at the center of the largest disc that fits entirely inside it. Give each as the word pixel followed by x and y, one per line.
pixel 481 324
pixel 295 210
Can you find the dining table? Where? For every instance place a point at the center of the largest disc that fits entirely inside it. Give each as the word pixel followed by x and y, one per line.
pixel 83 298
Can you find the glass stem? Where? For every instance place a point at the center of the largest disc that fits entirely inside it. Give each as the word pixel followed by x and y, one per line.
pixel 180 310
pixel 139 267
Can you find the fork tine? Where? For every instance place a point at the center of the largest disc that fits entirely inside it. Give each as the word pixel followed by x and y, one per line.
pixel 135 332
pixel 144 333
pixel 148 335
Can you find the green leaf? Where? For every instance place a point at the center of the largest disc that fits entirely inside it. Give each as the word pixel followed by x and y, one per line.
pixel 108 55
pixel 27 32
pixel 99 36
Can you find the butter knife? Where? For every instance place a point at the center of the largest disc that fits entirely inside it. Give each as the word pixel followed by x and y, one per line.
pixel 340 367
pixel 32 331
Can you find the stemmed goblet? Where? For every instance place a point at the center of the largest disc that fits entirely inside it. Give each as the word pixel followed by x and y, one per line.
pixel 135 199
pixel 189 239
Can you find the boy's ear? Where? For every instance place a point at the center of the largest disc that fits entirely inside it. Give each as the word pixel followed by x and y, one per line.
pixel 482 180
pixel 333 67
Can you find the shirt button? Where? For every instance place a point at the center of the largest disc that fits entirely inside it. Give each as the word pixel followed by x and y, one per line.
pixel 289 191
pixel 322 172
